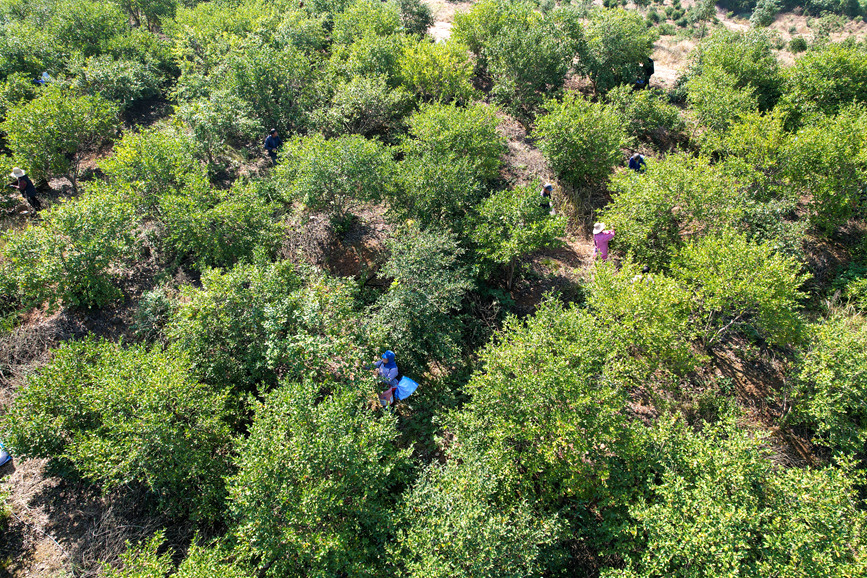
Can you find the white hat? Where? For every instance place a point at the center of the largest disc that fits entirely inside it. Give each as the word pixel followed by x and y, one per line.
pixel 548 186
pixel 17 173
pixel 598 228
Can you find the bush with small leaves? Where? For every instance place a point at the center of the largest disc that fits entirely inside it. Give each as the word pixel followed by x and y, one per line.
pixel 221 120
pixel 826 79
pixel 747 58
pixel 456 526
pixel 142 560
pixel 739 282
pixel 416 16
pixel 513 223
pixel 436 190
pixel 677 197
pixel 827 161
pixel 528 60
pixel 580 139
pixel 370 57
pixel 72 256
pixel 249 324
pixel 125 82
pixel 334 175
pixel 214 228
pixel 545 404
pixel 152 162
pixel 646 113
pixel 365 106
pixel 832 384
pixel 318 478
pixel 744 514
pixel 652 316
pixel 717 101
pixel 439 72
pixel 617 42
pixel 128 415
pixel 797 44
pixel 418 312
pixel 50 134
pixel 366 17
pixel 449 131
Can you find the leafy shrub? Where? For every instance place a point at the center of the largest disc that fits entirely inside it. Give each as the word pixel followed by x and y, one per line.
pixel 676 197
pixel 125 82
pixel 416 16
pixel 315 492
pixel 764 13
pixel 666 29
pixel 370 56
pixel 437 190
pixel 743 514
pixel 142 560
pixel 645 113
pixel 457 528
pixel 417 314
pixel 365 106
pixel 17 89
pixel 652 317
pixel 527 60
pixel 215 228
pixel 617 41
pixel 477 27
pixel 366 17
pixel 333 175
pixel 827 79
pixel 275 83
pixel 744 60
pixel 50 134
pixel 513 223
pixel 827 160
pixel 717 101
pixel 122 415
pixel 246 325
pixel 750 284
pixel 544 404
pixel 152 314
pixel 439 72
pixel 72 255
pixel 221 120
pixel 831 384
pixel 152 162
pixel 797 44
pixel 580 139
pixel 448 131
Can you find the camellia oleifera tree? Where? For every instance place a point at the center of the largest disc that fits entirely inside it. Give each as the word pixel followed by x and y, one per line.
pixel 49 135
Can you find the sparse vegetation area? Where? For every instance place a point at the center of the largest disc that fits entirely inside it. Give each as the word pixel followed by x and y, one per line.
pixel 187 324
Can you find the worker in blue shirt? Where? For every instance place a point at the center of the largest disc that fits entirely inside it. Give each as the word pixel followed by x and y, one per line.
pixel 272 144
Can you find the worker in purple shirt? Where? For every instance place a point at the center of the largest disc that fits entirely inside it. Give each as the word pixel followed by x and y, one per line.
pixel 601 237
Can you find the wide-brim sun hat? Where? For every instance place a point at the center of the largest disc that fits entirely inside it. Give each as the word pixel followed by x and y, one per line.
pixel 598 228
pixel 548 186
pixel 17 173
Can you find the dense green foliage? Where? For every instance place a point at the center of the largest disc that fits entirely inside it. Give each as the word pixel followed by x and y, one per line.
pixel 581 139
pixel 317 482
pixel 192 327
pixel 49 134
pixel 123 415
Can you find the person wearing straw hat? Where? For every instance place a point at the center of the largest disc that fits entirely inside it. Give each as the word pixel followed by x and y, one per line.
pixel 601 237
pixel 25 187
